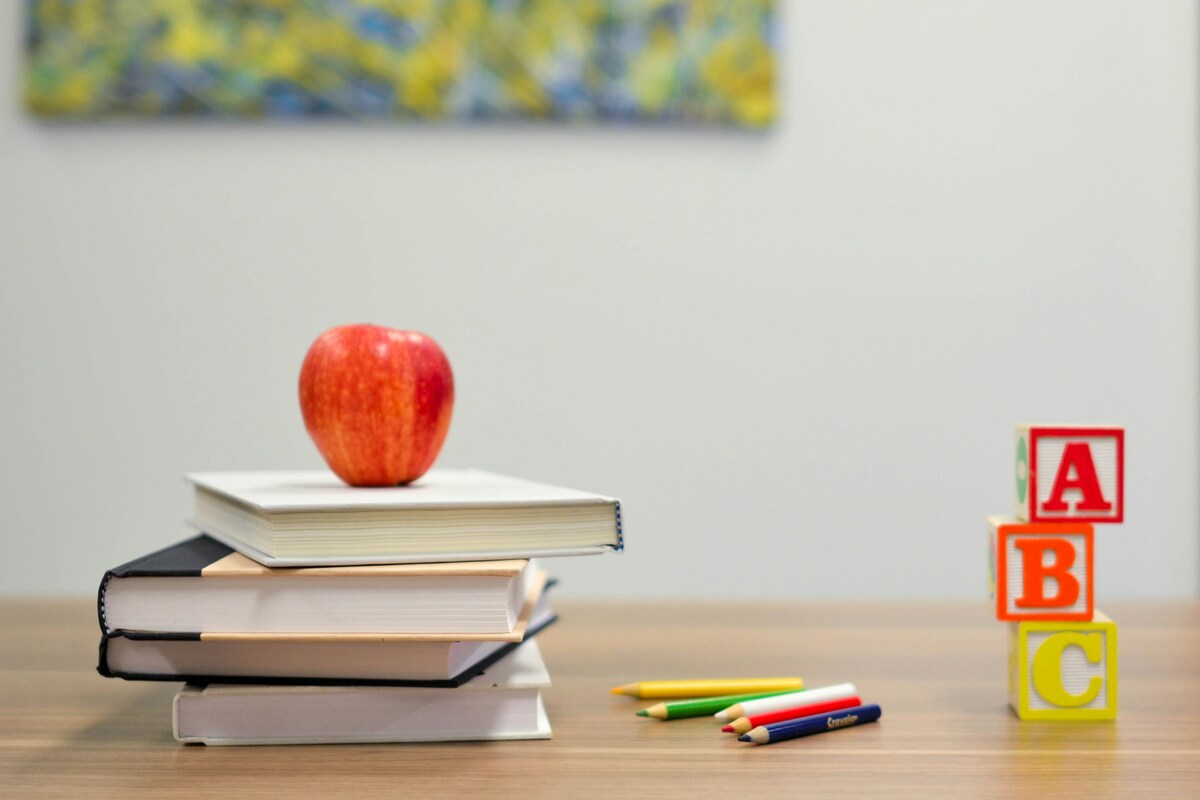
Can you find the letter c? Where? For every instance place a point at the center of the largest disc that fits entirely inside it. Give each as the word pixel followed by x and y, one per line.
pixel 1047 668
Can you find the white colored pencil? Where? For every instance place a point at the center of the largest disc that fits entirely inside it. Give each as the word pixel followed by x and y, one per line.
pixel 765 705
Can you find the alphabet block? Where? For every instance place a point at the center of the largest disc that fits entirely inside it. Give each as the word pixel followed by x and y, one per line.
pixel 1070 473
pixel 1063 670
pixel 1041 570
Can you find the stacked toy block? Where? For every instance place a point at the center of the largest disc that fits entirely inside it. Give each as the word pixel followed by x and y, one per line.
pixel 1062 652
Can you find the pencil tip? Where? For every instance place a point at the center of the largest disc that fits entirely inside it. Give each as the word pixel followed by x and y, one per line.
pixel 720 715
pixel 727 729
pixel 745 737
pixel 643 713
pixel 618 690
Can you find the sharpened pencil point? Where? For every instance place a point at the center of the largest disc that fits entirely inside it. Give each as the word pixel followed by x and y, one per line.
pixel 721 716
pixel 643 713
pixel 745 737
pixel 618 690
pixel 727 729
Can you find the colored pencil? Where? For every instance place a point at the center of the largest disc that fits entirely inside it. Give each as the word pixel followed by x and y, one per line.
pixel 743 724
pixel 707 688
pixel 702 707
pixel 782 701
pixel 817 723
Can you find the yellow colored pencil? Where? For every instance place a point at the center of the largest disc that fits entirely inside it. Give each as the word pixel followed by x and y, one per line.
pixel 707 688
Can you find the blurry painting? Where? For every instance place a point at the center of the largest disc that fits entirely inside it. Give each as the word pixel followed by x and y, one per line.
pixel 705 61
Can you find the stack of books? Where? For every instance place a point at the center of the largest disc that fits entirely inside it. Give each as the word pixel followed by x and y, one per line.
pixel 308 611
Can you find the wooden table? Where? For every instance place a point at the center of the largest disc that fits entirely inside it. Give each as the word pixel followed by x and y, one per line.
pixel 938 670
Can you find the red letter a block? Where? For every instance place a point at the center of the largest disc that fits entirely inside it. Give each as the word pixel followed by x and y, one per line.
pixel 1070 474
pixel 1043 570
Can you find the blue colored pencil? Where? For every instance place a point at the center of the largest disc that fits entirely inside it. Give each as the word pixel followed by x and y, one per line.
pixel 817 723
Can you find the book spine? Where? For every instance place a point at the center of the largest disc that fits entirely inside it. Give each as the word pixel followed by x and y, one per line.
pixel 620 529
pixel 102 662
pixel 100 602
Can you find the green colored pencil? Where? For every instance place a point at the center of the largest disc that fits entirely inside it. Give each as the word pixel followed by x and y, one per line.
pixel 701 706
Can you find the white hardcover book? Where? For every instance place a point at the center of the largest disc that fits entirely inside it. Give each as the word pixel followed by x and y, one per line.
pixel 505 702
pixel 299 519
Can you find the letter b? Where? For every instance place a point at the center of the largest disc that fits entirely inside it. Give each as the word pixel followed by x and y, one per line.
pixel 1035 572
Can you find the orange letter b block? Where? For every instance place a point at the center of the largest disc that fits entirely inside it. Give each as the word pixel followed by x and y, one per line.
pixel 1043 570
pixel 1063 670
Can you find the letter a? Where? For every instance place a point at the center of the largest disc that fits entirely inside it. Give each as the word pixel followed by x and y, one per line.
pixel 1077 457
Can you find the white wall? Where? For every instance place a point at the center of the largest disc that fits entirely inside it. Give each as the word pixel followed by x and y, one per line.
pixel 797 357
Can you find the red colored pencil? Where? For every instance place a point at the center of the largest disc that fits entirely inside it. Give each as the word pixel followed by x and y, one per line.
pixel 743 724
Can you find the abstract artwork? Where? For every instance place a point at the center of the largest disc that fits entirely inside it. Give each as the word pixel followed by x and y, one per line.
pixel 705 61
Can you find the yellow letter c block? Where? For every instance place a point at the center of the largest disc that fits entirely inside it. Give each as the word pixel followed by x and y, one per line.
pixel 1047 679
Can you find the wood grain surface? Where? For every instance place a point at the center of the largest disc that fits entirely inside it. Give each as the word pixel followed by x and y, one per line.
pixel 938 671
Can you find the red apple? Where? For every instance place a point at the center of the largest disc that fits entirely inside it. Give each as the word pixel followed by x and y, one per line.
pixel 376 402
